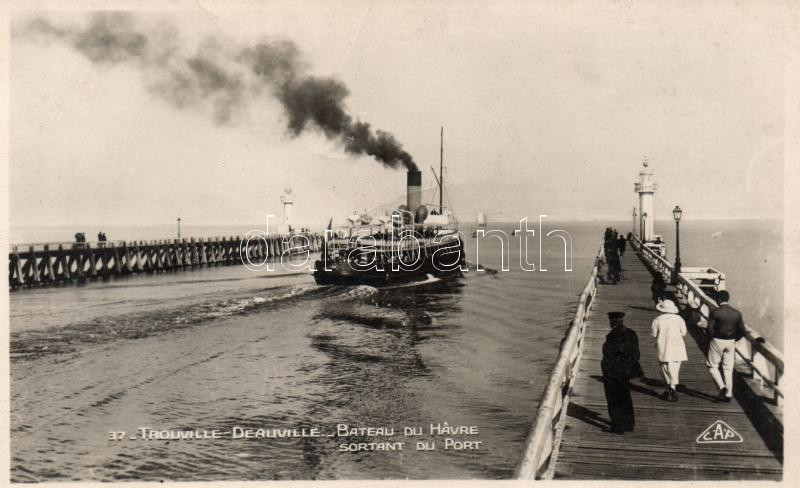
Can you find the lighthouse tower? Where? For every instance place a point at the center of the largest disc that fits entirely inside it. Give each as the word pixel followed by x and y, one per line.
pixel 646 188
pixel 287 199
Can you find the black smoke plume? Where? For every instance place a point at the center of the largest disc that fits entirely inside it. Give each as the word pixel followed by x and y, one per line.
pixel 228 77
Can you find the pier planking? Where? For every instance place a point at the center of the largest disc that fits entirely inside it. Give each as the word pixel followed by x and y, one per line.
pixel 663 444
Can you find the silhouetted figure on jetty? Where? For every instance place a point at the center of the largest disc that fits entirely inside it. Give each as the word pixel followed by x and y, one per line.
pixel 657 289
pixel 621 243
pixel 612 259
pixel 620 363
pixel 80 240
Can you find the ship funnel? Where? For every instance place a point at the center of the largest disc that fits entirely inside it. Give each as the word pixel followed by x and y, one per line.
pixel 414 190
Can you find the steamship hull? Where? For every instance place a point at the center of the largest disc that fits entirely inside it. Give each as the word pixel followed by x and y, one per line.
pixel 346 273
pixel 411 245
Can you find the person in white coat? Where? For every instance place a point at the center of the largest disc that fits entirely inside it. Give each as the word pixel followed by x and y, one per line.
pixel 669 330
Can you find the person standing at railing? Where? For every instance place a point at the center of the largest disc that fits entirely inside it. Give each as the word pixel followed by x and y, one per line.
pixel 725 326
pixel 620 363
pixel 657 289
pixel 612 259
pixel 80 240
pixel 669 330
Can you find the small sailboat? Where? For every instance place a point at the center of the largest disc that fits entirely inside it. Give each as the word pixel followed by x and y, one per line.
pixel 481 223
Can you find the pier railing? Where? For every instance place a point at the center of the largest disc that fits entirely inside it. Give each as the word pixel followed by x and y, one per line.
pixel 541 447
pixel 55 263
pixel 764 360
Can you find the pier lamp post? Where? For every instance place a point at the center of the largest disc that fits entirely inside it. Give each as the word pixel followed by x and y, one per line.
pixel 676 214
pixel 179 227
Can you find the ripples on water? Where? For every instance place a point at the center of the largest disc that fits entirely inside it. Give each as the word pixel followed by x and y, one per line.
pixel 224 347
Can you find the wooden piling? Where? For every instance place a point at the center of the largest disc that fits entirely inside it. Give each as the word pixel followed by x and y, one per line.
pixel 47 264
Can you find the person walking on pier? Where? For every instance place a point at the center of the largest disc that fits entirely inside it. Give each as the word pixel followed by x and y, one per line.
pixel 669 329
pixel 612 258
pixel 725 326
pixel 621 242
pixel 657 289
pixel 620 363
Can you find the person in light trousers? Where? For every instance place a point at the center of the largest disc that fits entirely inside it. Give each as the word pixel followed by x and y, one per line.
pixel 669 330
pixel 725 326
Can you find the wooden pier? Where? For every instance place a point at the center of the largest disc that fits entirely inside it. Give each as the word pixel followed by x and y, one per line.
pixel 571 438
pixel 56 263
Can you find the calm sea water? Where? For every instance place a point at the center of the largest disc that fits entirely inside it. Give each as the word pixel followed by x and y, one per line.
pixel 751 256
pixel 220 348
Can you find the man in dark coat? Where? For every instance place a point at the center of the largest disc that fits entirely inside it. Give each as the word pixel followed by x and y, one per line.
pixel 620 363
pixel 657 289
pixel 612 258
pixel 621 242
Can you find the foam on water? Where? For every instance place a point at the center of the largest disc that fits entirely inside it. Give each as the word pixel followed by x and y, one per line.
pixel 428 279
pixel 358 291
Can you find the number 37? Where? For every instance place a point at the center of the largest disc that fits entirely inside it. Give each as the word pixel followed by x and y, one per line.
pixel 117 435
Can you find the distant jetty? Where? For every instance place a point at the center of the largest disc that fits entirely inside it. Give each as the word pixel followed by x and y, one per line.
pixel 45 264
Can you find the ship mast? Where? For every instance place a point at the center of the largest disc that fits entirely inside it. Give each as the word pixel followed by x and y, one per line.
pixel 441 170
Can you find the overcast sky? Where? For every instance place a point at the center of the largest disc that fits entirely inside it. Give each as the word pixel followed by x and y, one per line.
pixel 547 109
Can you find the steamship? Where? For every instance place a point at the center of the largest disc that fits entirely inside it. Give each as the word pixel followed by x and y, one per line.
pixel 409 243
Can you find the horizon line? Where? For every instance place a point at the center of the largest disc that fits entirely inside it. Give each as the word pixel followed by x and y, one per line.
pixel 498 220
